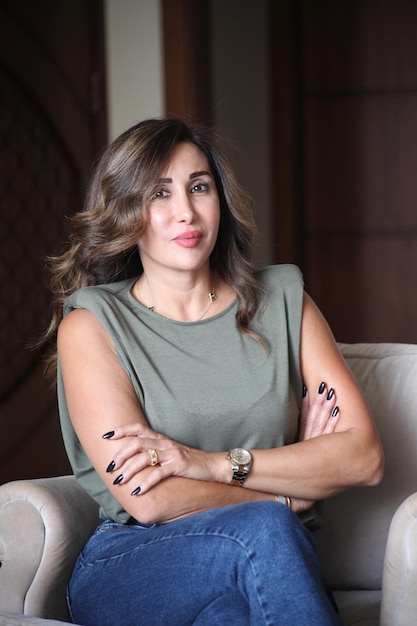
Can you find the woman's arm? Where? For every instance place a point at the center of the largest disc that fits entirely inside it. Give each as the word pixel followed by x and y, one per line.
pixel 322 466
pixel 101 397
pixel 337 449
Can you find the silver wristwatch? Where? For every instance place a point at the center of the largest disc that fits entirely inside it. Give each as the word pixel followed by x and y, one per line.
pixel 241 461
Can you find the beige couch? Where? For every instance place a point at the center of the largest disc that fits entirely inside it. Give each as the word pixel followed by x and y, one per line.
pixel 368 544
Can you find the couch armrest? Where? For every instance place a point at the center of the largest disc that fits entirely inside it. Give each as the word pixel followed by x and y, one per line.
pixel 44 524
pixel 399 582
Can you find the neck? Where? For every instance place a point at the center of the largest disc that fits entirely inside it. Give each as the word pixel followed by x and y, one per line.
pixel 187 300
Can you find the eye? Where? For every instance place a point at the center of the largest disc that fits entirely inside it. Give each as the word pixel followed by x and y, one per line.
pixel 200 187
pixel 159 193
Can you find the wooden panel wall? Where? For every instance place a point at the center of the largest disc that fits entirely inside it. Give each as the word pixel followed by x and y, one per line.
pixel 52 124
pixel 186 33
pixel 355 77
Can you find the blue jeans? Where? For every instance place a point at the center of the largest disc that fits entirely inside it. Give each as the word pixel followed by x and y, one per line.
pixel 249 564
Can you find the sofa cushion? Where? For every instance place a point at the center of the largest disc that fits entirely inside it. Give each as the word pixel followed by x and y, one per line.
pixel 356 523
pixel 358 608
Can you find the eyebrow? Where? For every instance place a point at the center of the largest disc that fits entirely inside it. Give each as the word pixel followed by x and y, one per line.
pixel 192 176
pixel 197 174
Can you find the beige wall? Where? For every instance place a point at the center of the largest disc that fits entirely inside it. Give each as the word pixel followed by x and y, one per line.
pixel 134 62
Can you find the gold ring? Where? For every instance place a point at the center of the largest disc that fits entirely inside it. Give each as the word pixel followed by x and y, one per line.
pixel 154 456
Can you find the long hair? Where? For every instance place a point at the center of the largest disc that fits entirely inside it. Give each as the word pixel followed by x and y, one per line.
pixel 104 235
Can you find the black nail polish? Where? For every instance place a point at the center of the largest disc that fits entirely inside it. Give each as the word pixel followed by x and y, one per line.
pixel 335 411
pixel 135 491
pixel 304 391
pixel 330 394
pixel 108 435
pixel 322 388
pixel 118 479
pixel 111 466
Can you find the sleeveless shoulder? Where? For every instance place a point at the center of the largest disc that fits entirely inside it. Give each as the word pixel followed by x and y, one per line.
pixel 280 277
pixel 94 296
pixel 284 287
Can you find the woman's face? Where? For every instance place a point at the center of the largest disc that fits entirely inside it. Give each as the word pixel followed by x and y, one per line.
pixel 183 216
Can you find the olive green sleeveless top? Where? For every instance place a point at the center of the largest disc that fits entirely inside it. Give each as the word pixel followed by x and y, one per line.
pixel 205 383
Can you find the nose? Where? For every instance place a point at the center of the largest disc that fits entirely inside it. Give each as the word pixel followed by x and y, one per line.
pixel 184 209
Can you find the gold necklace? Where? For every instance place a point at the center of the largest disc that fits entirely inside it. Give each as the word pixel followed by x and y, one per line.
pixel 211 296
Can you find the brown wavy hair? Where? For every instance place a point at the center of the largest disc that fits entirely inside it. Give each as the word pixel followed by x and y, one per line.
pixel 104 235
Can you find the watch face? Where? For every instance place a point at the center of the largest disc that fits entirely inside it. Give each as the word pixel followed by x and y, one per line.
pixel 241 456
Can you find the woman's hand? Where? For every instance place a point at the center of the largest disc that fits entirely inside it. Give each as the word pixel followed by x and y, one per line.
pixel 318 416
pixel 319 413
pixel 144 448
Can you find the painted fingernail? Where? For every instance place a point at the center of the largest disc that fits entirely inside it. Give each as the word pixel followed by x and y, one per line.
pixel 335 411
pixel 111 466
pixel 108 435
pixel 330 394
pixel 304 391
pixel 135 491
pixel 118 479
pixel 322 388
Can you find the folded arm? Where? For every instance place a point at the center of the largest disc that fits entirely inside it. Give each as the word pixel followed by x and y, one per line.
pixel 321 466
pixel 100 398
pixel 332 454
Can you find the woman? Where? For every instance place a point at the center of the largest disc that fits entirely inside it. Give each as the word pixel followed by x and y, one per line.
pixel 180 376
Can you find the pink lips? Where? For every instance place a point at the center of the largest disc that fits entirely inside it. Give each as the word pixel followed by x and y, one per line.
pixel 188 239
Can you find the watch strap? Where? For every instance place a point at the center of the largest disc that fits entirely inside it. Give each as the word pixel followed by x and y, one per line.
pixel 239 475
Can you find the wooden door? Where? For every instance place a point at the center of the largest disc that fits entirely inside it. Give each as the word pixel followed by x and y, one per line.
pixel 52 122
